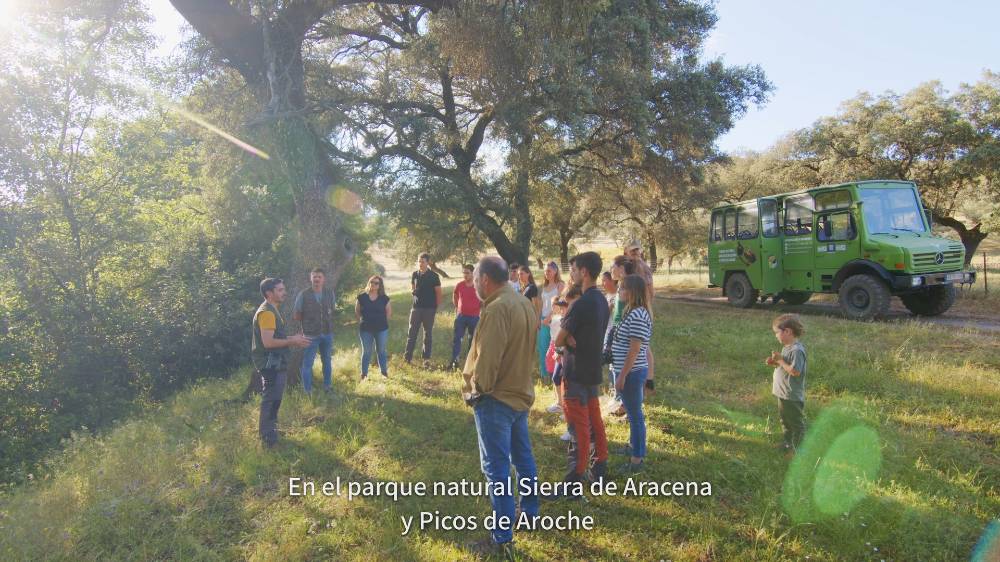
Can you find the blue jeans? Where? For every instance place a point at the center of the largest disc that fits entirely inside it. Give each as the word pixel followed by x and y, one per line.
pixel 503 439
pixel 631 397
pixel 378 341
pixel 544 338
pixel 462 323
pixel 324 343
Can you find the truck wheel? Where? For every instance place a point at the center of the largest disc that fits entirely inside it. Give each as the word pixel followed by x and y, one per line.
pixel 864 297
pixel 740 292
pixel 932 301
pixel 796 297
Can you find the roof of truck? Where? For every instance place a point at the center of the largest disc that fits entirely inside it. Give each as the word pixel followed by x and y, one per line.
pixel 810 190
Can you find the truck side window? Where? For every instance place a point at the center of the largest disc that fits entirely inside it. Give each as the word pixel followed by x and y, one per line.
pixel 769 217
pixel 798 215
pixel 836 227
pixel 746 222
pixel 730 226
pixel 833 200
pixel 716 234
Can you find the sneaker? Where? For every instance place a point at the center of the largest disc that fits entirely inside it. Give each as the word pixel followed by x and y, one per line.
pixel 427 363
pixel 570 476
pixel 599 471
pixel 566 436
pixel 364 376
pixel 385 375
pixel 453 366
pixel 632 468
pixel 552 409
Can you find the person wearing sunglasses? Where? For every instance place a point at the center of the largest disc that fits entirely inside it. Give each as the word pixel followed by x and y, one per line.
pixel 373 311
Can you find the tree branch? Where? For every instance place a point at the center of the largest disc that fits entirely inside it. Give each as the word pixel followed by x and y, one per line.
pixel 238 37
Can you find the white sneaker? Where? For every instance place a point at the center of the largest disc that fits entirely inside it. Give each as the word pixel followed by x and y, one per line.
pixel 566 436
pixel 556 407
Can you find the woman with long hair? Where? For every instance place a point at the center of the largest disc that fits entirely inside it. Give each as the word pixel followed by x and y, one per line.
pixel 529 289
pixel 629 350
pixel 552 286
pixel 373 310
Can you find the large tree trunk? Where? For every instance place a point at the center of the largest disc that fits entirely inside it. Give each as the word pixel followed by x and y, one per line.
pixel 970 237
pixel 651 258
pixel 523 225
pixel 267 52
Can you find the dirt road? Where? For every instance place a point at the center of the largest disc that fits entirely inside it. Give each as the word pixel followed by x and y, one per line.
pixel 830 308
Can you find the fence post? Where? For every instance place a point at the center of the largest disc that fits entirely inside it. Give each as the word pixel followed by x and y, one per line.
pixel 986 279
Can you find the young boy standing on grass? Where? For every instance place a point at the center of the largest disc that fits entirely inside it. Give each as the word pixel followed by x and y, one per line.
pixel 789 379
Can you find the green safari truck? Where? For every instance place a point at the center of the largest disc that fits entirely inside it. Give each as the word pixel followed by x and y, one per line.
pixel 866 241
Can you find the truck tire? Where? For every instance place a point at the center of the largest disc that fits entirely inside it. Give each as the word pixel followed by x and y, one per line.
pixel 864 297
pixel 796 297
pixel 740 292
pixel 932 301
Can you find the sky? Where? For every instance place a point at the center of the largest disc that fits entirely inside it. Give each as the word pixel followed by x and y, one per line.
pixel 818 53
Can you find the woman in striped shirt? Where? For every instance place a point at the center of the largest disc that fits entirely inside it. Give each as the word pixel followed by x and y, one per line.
pixel 629 351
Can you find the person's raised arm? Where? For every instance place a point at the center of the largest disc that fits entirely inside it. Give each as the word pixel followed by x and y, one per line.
pixel 270 342
pixel 388 309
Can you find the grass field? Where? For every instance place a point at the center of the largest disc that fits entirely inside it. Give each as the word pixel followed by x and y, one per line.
pixel 188 480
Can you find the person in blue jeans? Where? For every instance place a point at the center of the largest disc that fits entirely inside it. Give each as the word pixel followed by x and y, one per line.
pixel 499 385
pixel 467 306
pixel 633 371
pixel 314 310
pixel 373 309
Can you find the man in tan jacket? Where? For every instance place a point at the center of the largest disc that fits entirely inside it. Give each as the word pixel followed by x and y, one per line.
pixel 500 388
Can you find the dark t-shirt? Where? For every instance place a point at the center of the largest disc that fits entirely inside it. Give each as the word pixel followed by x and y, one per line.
pixel 531 291
pixel 423 291
pixel 373 313
pixel 587 321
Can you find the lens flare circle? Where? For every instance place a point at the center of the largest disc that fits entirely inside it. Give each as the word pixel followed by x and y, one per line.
pixel 987 549
pixel 849 464
pixel 346 201
pixel 835 467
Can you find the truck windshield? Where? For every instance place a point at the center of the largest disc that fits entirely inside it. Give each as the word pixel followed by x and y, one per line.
pixel 890 210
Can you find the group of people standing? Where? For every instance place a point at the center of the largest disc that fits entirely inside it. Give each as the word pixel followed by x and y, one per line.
pixel 567 331
pixel 580 336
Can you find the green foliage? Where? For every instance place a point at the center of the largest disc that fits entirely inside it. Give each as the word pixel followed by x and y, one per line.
pixel 526 89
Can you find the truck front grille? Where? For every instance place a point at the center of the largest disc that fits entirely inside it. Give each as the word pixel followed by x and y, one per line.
pixel 927 261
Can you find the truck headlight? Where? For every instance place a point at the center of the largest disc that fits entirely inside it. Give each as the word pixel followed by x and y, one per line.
pixel 916 281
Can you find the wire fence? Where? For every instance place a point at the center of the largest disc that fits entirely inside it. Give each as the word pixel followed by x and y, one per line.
pixel 986 267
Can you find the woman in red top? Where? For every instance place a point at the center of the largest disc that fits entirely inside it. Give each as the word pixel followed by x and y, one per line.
pixel 466 313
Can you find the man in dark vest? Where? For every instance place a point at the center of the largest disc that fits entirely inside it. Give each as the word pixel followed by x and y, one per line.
pixel 269 353
pixel 426 289
pixel 314 309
